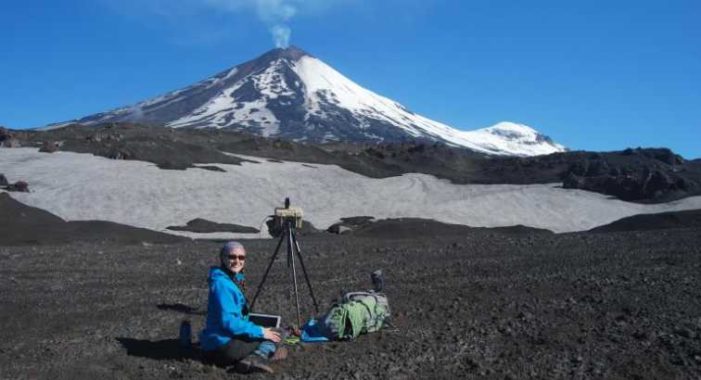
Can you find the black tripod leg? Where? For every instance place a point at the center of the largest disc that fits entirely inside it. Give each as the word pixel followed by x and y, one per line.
pixel 291 259
pixel 267 270
pixel 304 270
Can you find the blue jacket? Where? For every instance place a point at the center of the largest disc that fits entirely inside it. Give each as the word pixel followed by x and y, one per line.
pixel 225 317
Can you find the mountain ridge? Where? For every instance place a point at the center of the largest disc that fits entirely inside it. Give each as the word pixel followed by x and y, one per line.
pixel 291 94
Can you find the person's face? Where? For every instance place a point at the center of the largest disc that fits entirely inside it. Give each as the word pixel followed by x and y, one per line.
pixel 237 259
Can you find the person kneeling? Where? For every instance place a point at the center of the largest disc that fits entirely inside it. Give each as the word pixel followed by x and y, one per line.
pixel 229 338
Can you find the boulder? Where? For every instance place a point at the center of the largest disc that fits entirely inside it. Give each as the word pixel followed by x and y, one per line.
pixel 49 146
pixel 117 154
pixel 19 186
pixel 7 139
pixel 573 181
pixel 350 224
pixel 338 228
pixel 11 143
pixel 4 134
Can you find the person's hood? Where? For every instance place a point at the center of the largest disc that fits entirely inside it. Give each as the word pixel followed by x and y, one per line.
pixel 217 273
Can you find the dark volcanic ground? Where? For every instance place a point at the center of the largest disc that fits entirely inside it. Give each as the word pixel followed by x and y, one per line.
pixel 468 304
pixel 24 225
pixel 663 220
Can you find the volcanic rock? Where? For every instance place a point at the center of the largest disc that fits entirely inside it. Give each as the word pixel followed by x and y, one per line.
pixel 204 226
pixel 410 227
pixel 338 228
pixel 664 220
pixel 24 225
pixel 213 168
pixel 19 186
pixel 650 175
pixel 578 305
pixel 350 224
pixel 4 134
pixel 7 139
pixel 637 175
pixel 50 146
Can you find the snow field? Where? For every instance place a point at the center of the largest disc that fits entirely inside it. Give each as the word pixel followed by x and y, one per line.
pixel 86 187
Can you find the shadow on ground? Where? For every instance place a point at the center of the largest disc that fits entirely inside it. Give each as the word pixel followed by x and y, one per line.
pixel 180 308
pixel 166 349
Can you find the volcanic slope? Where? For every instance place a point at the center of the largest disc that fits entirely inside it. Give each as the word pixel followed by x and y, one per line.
pixel 651 175
pixel 475 305
pixel 24 225
pixel 663 220
pixel 288 93
pixel 85 187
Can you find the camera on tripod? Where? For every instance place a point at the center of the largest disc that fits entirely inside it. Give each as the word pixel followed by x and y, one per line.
pixel 282 224
pixel 283 215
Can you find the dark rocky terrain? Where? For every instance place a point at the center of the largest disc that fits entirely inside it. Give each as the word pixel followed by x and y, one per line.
pixel 659 221
pixel 411 227
pixel 638 175
pixel 24 225
pixel 467 303
pixel 203 225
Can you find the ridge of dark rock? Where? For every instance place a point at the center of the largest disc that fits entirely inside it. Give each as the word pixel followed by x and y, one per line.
pixel 292 52
pixel 200 225
pixel 394 228
pixel 658 221
pixel 25 225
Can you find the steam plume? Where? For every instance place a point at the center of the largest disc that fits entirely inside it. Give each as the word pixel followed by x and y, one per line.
pixel 281 35
pixel 275 14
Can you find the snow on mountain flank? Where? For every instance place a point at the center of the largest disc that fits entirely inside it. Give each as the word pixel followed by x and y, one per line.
pixel 510 138
pixel 290 94
pixel 324 84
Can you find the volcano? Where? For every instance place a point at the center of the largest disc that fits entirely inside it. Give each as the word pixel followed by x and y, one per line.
pixel 288 93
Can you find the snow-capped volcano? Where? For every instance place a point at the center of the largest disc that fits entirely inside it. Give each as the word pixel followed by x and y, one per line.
pixel 290 94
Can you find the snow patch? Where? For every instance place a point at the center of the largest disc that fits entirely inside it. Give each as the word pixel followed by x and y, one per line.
pixel 271 82
pixel 224 111
pixel 139 194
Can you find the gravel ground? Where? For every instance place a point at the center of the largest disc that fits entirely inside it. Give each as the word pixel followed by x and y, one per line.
pixel 483 304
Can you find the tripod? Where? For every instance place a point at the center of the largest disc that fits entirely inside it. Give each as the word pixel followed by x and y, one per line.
pixel 288 235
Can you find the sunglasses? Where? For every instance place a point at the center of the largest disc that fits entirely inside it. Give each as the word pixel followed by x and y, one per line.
pixel 240 257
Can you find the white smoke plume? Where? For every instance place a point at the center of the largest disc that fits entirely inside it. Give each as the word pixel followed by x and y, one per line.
pixel 276 15
pixel 281 35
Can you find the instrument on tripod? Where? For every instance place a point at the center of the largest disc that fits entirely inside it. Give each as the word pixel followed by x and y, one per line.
pixel 285 221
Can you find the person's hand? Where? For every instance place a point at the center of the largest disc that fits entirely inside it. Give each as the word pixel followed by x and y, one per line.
pixel 271 335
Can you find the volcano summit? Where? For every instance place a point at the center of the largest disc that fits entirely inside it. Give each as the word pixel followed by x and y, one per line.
pixel 291 94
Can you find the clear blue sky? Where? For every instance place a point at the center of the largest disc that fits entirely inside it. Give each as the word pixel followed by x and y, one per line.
pixel 594 75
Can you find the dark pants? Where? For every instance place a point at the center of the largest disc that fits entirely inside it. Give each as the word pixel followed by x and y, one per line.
pixel 230 353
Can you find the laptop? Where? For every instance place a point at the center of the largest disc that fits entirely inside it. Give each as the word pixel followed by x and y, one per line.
pixel 265 320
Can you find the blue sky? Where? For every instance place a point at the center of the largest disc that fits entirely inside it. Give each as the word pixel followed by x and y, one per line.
pixel 594 75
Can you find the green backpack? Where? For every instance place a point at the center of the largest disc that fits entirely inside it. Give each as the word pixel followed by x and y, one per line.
pixel 357 313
